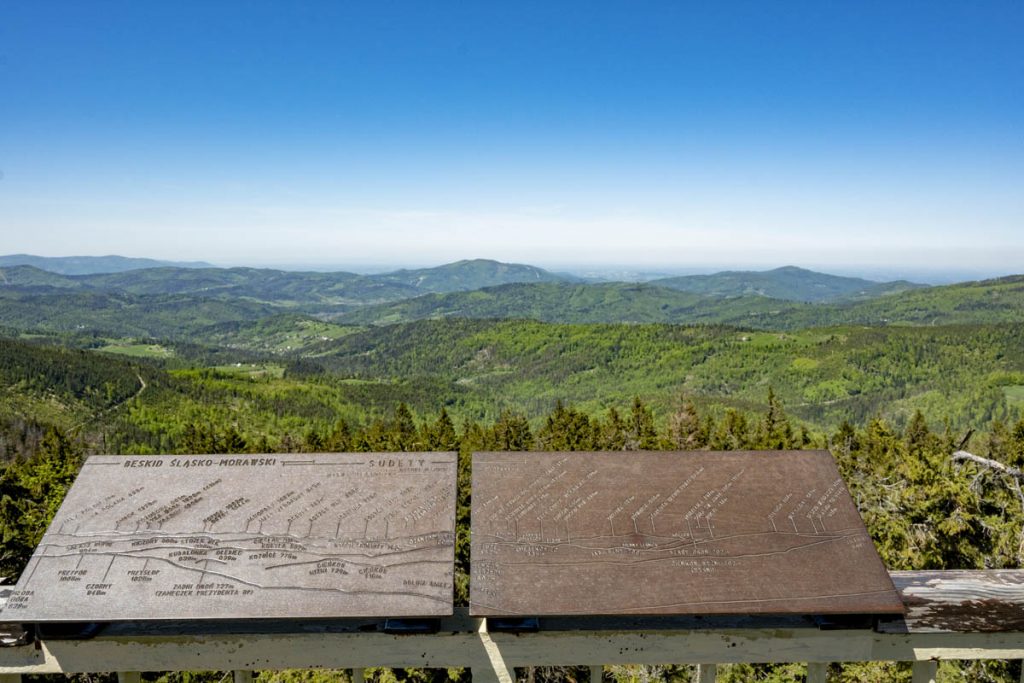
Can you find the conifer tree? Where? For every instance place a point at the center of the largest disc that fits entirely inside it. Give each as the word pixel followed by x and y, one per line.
pixel 511 433
pixel 775 431
pixel 613 432
pixel 732 432
pixel 340 438
pixel 641 433
pixel 441 435
pixel 403 435
pixel 686 431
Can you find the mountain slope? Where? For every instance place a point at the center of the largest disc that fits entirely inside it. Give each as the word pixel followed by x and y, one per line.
pixel 990 301
pixel 118 314
pixel 823 375
pixel 469 275
pixel 999 300
pixel 87 265
pixel 573 303
pixel 311 291
pixel 30 276
pixel 788 283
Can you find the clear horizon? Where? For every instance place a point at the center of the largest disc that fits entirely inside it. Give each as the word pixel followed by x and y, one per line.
pixel 848 138
pixel 608 270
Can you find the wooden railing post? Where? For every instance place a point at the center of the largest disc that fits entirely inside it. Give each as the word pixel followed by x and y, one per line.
pixel 596 673
pixel 706 673
pixel 129 677
pixel 498 671
pixel 242 676
pixel 358 675
pixel 924 672
pixel 817 672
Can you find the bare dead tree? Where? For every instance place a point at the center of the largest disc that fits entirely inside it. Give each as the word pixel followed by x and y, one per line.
pixel 1013 478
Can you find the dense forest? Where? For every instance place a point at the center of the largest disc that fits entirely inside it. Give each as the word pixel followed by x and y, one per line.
pixel 94 370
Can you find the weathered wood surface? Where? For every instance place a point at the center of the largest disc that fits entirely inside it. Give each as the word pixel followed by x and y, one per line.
pixel 493 655
pixel 959 601
pixel 936 628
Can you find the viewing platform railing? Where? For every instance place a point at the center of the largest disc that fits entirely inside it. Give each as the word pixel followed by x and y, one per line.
pixel 951 615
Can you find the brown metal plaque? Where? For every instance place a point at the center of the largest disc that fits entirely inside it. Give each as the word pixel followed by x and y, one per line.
pixel 247 536
pixel 670 533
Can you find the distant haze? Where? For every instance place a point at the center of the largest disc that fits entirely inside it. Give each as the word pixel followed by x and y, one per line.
pixel 865 138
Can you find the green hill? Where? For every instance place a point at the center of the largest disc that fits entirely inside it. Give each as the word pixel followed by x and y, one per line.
pixel 788 283
pixel 967 303
pixel 470 275
pixel 25 276
pixel 822 375
pixel 64 387
pixel 574 303
pixel 306 289
pixel 315 292
pixel 120 315
pixel 990 301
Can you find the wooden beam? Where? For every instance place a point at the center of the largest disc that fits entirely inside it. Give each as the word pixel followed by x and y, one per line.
pixel 504 650
pixel 817 672
pixel 950 601
pixel 596 673
pixel 10 678
pixel 924 672
pixel 706 673
pixel 495 670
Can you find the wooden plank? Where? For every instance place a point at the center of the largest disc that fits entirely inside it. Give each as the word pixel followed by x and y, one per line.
pixel 959 601
pixel 817 672
pixel 924 672
pixel 496 670
pixel 706 673
pixel 460 649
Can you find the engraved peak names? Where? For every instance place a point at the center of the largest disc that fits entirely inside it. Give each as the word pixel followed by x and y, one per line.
pixel 670 533
pixel 265 536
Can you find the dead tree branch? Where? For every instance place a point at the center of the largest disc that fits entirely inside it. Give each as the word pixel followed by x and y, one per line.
pixel 1014 475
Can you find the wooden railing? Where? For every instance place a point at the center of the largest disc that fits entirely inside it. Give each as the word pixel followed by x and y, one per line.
pixel 960 615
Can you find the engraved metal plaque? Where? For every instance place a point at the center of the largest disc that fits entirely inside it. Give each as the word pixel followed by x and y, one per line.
pixel 247 536
pixel 670 533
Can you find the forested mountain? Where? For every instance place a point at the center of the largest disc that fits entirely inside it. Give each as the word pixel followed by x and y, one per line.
pixel 282 288
pixel 1000 300
pixel 311 290
pixel 469 275
pixel 576 303
pixel 120 315
pixel 86 265
pixel 788 283
pixel 966 303
pixel 966 375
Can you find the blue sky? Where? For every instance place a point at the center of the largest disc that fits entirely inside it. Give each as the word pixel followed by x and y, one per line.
pixel 661 134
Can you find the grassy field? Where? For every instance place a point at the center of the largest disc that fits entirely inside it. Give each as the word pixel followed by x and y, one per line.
pixel 252 370
pixel 1015 394
pixel 157 351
